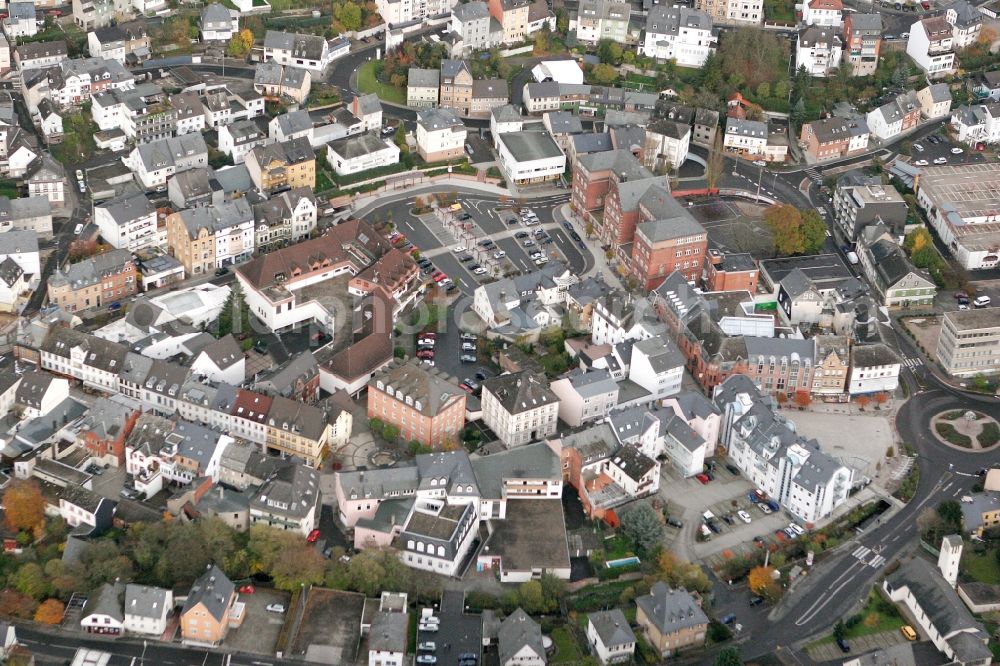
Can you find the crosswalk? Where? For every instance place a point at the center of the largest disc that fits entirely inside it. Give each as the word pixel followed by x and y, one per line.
pixel 813 174
pixel 861 553
pixel 913 362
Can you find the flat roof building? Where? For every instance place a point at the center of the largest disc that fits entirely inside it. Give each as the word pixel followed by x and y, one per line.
pixel 969 343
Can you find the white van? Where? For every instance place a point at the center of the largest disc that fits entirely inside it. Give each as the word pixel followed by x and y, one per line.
pixel 981 301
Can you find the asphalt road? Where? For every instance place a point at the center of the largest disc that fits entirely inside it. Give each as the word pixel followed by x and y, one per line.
pixel 836 584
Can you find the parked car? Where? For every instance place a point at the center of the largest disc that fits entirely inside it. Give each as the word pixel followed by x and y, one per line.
pixel 472 383
pixel 841 643
pixel 528 243
pixel 752 496
pixel 77 229
pixel 796 528
pixel 764 508
pixel 499 254
pixel 756 601
pixel 702 478
pixel 961 295
pixel 941 160
pixel 521 234
pixel 957 151
pixel 275 608
pixel 468 337
pixel 744 516
pixel 727 519
pixel 921 163
pixel 908 632
pixel 773 506
pixel 918 147
pixel 426 354
pixel 468 346
pixel 428 627
pixel 260 347
pixel 479 270
pixel 465 387
pixel 427 658
pixel 466 258
pixel 981 301
pixel 427 646
pixel 313 536
pixel 247 589
pixel 728 618
pixel 467 358
pixel 673 522
pixel 465 216
pixel 733 469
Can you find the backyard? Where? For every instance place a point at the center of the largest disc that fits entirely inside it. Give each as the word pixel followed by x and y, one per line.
pixel 368 83
pixel 981 567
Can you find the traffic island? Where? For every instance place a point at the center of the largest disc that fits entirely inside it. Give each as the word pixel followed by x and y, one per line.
pixel 966 429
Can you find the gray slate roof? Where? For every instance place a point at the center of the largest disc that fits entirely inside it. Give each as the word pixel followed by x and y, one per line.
pixel 521 391
pixel 214 590
pixel 145 601
pixel 517 631
pixel 671 610
pixel 612 627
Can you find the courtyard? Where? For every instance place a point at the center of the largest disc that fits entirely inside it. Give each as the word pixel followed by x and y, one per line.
pixel 734 225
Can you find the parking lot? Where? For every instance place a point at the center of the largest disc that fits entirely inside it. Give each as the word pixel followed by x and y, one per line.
pixel 260 628
pixel 937 149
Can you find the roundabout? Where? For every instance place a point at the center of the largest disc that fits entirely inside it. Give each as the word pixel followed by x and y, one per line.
pixel 966 429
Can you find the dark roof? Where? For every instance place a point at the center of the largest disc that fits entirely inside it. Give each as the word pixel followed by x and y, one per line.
pixel 521 391
pixel 516 632
pixel 671 610
pixel 936 598
pixel 214 590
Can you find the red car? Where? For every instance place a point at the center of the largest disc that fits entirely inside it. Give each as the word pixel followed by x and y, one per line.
pixel 426 353
pixel 438 277
pixel 313 536
pixel 429 334
pixel 465 387
pixel 702 478
pixel 247 589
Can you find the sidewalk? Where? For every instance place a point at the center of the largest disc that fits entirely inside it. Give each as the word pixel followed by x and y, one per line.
pixel 601 265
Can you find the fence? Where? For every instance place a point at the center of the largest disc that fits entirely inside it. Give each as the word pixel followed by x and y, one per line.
pixel 506 53
pixel 370 32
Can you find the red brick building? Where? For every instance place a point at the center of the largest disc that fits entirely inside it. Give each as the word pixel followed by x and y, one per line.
pixel 667 239
pixel 419 401
pixel 730 272
pixel 593 174
pixel 105 428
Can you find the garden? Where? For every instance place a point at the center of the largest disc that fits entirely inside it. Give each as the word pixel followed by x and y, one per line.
pixel 967 428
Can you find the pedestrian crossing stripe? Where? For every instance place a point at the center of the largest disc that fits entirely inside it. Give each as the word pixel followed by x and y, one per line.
pixel 861 552
pixel 913 362
pixel 877 562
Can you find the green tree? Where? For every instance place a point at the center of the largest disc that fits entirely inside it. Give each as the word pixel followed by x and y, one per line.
pixel 300 565
pixel 235 314
pixel 604 74
pixel 401 138
pixel 785 222
pixel 813 230
pixel 29 579
pixel 729 656
pixel 763 90
pixel 643 528
pixel 349 15
pixel 390 432
pixel 609 52
pixel 530 597
pixel 562 21
pixel 950 513
pixel 752 56
pixel 839 630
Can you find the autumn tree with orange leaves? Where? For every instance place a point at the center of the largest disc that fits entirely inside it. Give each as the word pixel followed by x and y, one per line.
pixel 50 612
pixel 24 508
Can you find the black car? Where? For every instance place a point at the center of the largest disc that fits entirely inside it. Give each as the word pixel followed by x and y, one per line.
pixel 673 522
pixel 727 519
pixel 222 270
pixel 465 258
pixel 485 243
pixel 712 526
pixel 473 267
pixel 511 221
pixel 567 226
pixel 481 376
pixel 521 234
pixel 260 347
pixel 733 468
pixel 843 645
pixel 756 601
pixel 575 236
pixel 465 216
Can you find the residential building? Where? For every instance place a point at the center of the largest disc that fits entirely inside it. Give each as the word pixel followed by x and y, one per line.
pixel 284 218
pixel 520 408
pixel 423 86
pixel 368 110
pixel 982 513
pixel 239 138
pixel 221 361
pixel 519 641
pixel 147 609
pixel 818 49
pixel 530 157
pixel 585 396
pixel 36 55
pixel 218 23
pixel 896 280
pixel 610 637
pixel 969 342
pixel 862 42
pixel 103 613
pixel 21 247
pixel 966 22
pixel 680 34
pixel 394 12
pixel 958 201
pixel 602 19
pixel 985 86
pixel 706 124
pixel 128 43
pixel 95 282
pixel 937 608
pixel 310 52
pixel 832 366
pixel 932 47
pixel 20 20
pixel 211 609
pixel 277 81
pixel 210 237
pixel 39 393
pixel 562 126
pixel 895 117
pixel 127 222
pixel 861 200
pixel 290 499
pixel 440 135
pixel 755 139
pixel 488 94
pixel 279 166
pixel 792 470
pixel 833 138
pixel 671 619
pixel 666 145
pixel 513 18
pixel 46 179
pixel 823 13
pixel 360 153
pixel 733 12
pixel 417 400
pixel 472 22
pixel 594 173
pixel 95 362
pixel 978 123
pixel 667 239
pixel 524 305
pixel 153 163
pixel 93 14
pixel 935 101
pixel 106 426
pixel 388 638
pixel 456 86
pixel 874 369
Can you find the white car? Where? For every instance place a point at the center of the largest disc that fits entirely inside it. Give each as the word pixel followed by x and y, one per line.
pixel 427 645
pixel 429 342
pixel 426 659
pixel 536 254
pixel 428 627
pixel 957 151
pixel 541 260
pixel 499 254
pixel 458 248
pixel 468 346
pixel 764 508
pixel 275 608
pixel 428 362
pixel 921 163
pixel 918 147
pixel 941 160
pixel 796 528
pixel 79 174
pixel 760 163
pixel 78 229
pixel 744 516
pixel 480 271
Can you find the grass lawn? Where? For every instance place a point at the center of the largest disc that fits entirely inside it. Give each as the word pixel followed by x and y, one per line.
pixel 779 10
pixel 616 548
pixel 981 568
pixel 8 189
pixel 568 651
pixel 323 182
pixel 886 618
pixel 951 435
pixel 368 84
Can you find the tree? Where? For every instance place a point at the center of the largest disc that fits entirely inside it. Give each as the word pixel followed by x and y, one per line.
pixel 839 630
pixel 643 528
pixel 300 565
pixel 30 580
pixel 50 612
pixel 760 578
pixel 609 51
pixel 390 432
pixel 813 231
pixel 604 74
pixel 784 221
pixel 752 56
pixel 24 508
pixel 950 513
pixel 348 15
pixel 730 656
pixel 716 162
pixel 863 401
pixel 241 43
pixel 15 604
pixel 235 314
pixel 530 597
pixel 543 40
pixel 803 399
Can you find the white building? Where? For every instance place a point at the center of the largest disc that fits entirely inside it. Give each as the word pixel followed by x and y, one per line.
pixel 289 500
pixel 657 365
pixel 819 50
pixel 966 22
pixel 147 609
pixel 610 637
pixel 152 163
pixel 874 369
pixel 601 19
pixel 519 641
pixel 959 202
pixel 503 119
pixel 666 145
pixel 530 157
pixel 828 13
pixel 21 247
pixel 932 47
pixel 239 138
pixel 39 393
pixel 935 101
pixel 977 124
pixel 792 470
pixel 310 52
pixel 361 153
pixel 218 23
pixel 747 137
pixel 221 361
pixel 21 20
pixel 128 222
pixel 520 408
pixel 440 135
pixel 585 396
pixel 660 434
pixel 680 34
